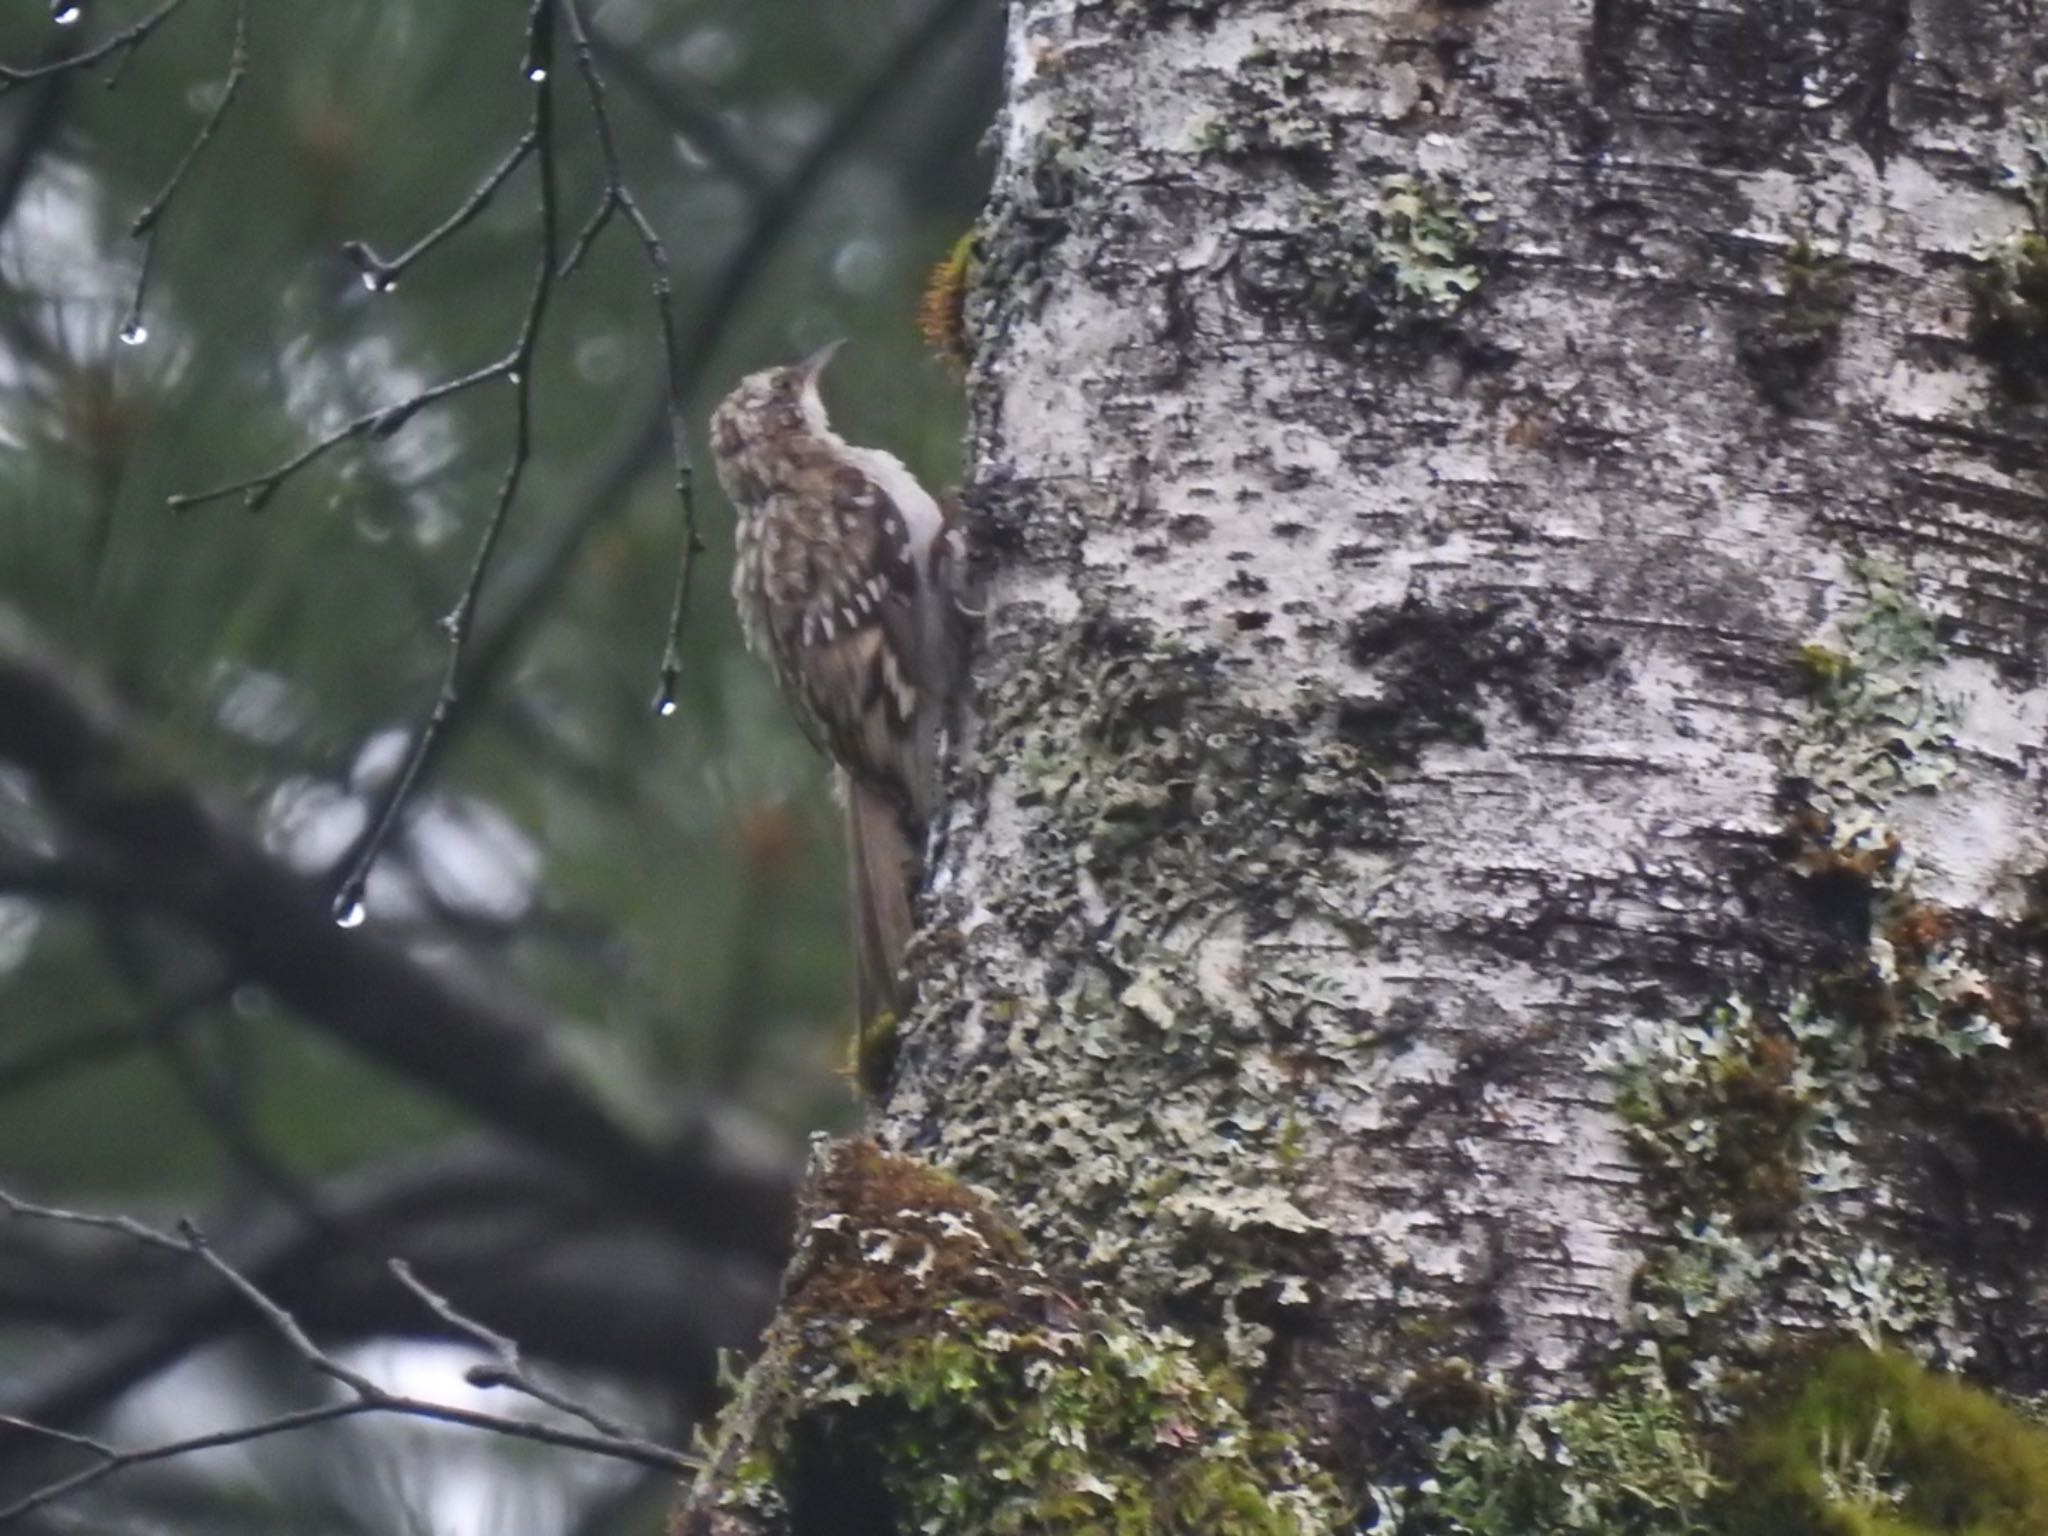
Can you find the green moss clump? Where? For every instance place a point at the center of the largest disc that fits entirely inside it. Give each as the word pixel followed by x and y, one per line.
pixel 2011 323
pixel 1626 1463
pixel 1847 1441
pixel 2010 287
pixel 1786 348
pixel 1874 1444
pixel 925 1376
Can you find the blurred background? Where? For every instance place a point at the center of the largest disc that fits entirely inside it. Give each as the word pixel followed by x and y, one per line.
pixel 567 1064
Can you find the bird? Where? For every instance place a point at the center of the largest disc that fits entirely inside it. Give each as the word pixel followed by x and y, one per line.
pixel 848 578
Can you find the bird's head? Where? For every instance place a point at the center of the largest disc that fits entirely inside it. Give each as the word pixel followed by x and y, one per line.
pixel 785 396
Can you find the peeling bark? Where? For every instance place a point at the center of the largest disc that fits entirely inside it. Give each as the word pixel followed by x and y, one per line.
pixel 1516 621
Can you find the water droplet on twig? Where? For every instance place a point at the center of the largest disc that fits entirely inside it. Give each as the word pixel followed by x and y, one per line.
pixel 349 911
pixel 536 73
pixel 64 13
pixel 134 333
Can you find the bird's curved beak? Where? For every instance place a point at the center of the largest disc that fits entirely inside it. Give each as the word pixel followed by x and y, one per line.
pixel 814 365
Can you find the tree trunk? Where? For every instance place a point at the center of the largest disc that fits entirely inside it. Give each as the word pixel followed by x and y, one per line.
pixel 1487 930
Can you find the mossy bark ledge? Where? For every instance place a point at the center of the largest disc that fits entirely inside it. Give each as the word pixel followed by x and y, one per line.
pixel 925 1375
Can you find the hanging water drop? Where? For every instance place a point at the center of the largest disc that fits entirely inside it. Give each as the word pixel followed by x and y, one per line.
pixel 537 73
pixel 372 281
pixel 134 333
pixel 348 911
pixel 665 700
pixel 65 14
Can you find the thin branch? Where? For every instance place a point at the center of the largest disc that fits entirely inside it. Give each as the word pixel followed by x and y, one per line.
pixel 715 139
pixel 113 1460
pixel 381 275
pixel 509 1369
pixel 618 197
pixel 124 41
pixel 577 1281
pixel 62 1436
pixel 348 900
pixel 143 228
pixel 376 425
pixel 365 1395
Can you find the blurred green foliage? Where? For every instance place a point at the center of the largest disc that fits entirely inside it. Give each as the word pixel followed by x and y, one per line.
pixel 672 887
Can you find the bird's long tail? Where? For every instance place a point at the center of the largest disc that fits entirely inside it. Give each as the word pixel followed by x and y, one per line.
pixel 883 864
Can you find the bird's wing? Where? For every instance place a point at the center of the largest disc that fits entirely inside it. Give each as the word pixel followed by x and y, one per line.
pixel 849 647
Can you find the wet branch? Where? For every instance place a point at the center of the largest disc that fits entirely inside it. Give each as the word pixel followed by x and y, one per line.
pixel 618 198
pixel 508 1369
pixel 143 227
pixel 380 275
pixel 123 42
pixel 365 1395
pixel 518 367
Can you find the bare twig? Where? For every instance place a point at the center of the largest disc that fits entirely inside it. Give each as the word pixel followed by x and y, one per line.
pixel 143 227
pixel 618 197
pixel 380 275
pixel 365 1395
pixel 376 425
pixel 715 140
pixel 348 900
pixel 122 42
pixel 62 1436
pixel 508 1369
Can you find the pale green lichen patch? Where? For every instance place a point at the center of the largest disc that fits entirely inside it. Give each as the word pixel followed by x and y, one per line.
pixel 1756 1118
pixel 1407 257
pixel 1786 346
pixel 1426 231
pixel 1141 1107
pixel 1274 107
pixel 926 1376
pixel 1878 726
